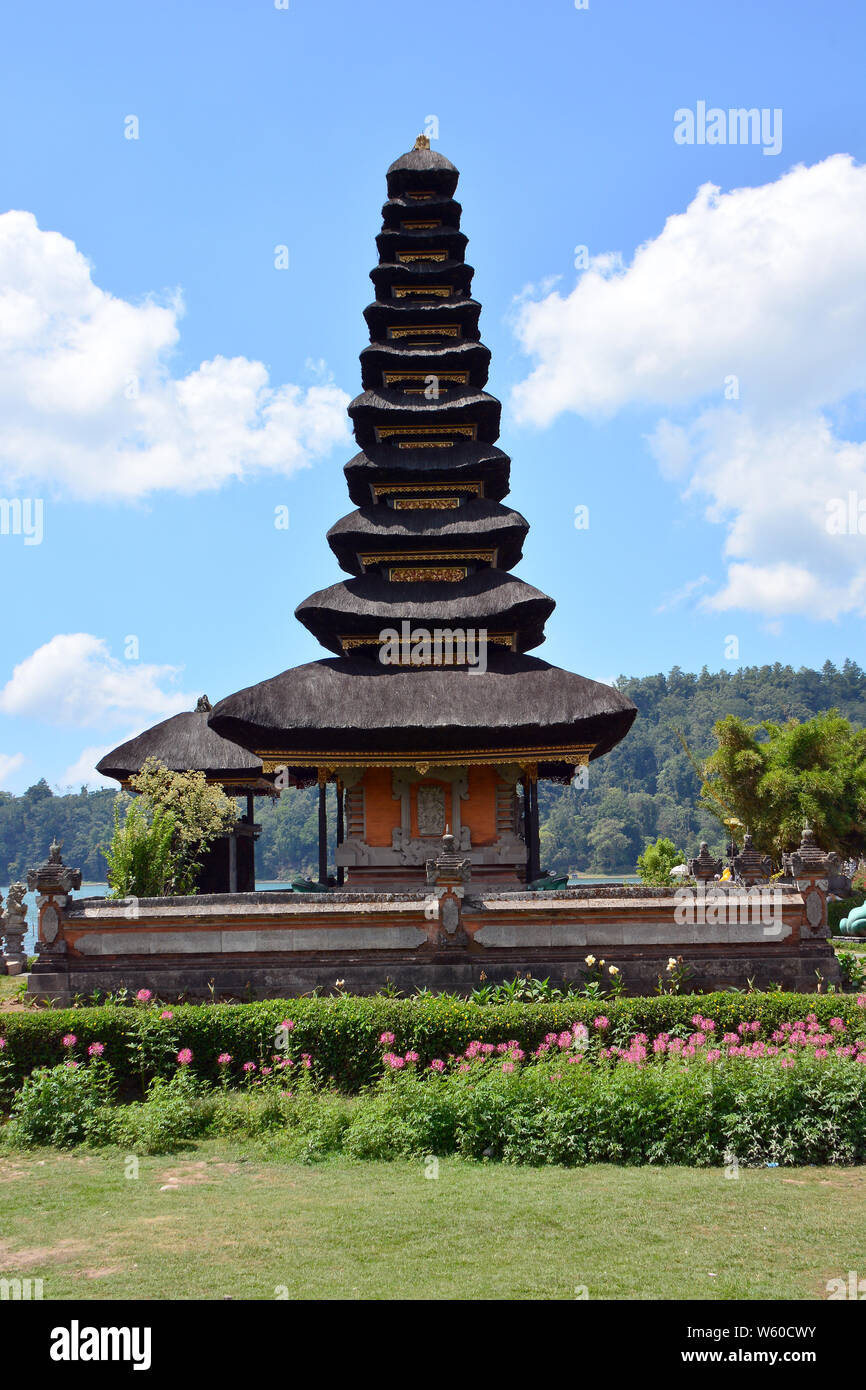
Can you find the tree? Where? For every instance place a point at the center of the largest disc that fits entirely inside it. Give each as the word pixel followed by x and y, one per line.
pixel 657 860
pixel 143 860
pixel 157 850
pixel 609 843
pixel 773 777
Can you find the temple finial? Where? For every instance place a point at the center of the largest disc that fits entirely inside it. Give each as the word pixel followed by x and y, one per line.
pixel 422 143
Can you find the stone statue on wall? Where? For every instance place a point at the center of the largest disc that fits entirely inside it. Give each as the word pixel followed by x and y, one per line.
pixel 14 928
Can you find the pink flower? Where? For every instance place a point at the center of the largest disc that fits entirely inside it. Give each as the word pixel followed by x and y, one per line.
pixel 289 1023
pixel 69 1040
pixel 713 1054
pixel 861 1001
pixel 73 1065
pixel 386 1038
pixel 508 1066
pixel 411 1056
pixel 224 1059
pixel 601 1022
pixel 143 995
pixel 396 1063
pixel 266 1071
pixel 786 1062
pixel 306 1060
pixel 487 1048
pixel 96 1049
pixel 167 1014
pixel 2 1044
pixel 437 1064
pixel 249 1066
pixel 185 1056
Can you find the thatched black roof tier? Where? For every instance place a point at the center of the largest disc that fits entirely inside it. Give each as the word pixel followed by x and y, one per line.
pixel 389 409
pixel 488 599
pixel 413 241
pixel 392 278
pixel 417 565
pixel 479 523
pixel 400 314
pixel 471 360
pixel 399 210
pixel 187 743
pixel 465 462
pixel 519 710
pixel 422 171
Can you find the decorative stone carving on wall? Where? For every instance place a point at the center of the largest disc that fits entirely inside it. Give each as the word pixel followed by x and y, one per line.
pixel 431 809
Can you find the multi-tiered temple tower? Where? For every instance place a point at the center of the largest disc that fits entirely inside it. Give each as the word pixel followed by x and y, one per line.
pixel 430 714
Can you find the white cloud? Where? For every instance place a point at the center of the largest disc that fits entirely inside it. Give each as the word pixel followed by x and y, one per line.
pixel 88 404
pixel 82 773
pixel 689 590
pixel 762 290
pixel 73 679
pixel 9 764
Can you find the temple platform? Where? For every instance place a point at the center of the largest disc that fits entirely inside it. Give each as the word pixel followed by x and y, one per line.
pixel 278 945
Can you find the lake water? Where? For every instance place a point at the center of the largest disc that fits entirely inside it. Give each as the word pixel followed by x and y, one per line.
pixel 99 890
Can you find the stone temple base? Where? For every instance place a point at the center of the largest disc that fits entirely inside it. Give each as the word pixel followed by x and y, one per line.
pixel 272 945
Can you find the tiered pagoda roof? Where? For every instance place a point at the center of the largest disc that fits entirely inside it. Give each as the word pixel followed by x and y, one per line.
pixel 431 543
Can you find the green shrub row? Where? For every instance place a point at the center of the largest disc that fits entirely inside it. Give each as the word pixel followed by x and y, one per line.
pixel 742 1112
pixel 342 1033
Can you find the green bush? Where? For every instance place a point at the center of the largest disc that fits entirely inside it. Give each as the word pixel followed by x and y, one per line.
pixel 342 1033
pixel 175 1111
pixel 62 1106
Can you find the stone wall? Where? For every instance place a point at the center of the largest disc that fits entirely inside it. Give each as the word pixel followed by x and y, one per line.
pixel 259 945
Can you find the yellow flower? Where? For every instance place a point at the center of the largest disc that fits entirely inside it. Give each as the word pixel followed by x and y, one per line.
pixel 590 960
pixel 612 970
pixel 672 962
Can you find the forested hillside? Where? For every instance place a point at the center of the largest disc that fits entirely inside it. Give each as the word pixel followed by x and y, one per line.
pixel 646 787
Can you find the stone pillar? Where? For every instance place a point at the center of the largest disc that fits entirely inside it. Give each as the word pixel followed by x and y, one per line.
pixel 447 876
pixel 751 867
pixel 705 868
pixel 14 926
pixel 811 868
pixel 53 883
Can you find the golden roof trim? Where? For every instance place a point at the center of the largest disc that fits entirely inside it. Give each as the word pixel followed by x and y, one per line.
pixel 577 755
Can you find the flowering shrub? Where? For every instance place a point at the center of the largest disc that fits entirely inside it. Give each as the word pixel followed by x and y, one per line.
pixel 64 1105
pixel 346 1037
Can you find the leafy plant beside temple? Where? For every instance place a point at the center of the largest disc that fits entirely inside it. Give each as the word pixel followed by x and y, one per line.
pixel 657 860
pixel 158 844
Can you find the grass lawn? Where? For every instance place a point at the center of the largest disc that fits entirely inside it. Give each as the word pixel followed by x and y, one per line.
pixel 10 986
pixel 223 1221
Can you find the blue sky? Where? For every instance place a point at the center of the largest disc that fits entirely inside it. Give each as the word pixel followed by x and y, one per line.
pixel 261 127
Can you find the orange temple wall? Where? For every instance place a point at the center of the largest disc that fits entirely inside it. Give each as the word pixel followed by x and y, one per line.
pixel 477 810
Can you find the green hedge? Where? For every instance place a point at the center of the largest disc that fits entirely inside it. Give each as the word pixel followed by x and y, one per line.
pixel 342 1034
